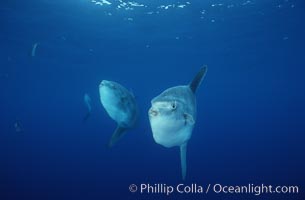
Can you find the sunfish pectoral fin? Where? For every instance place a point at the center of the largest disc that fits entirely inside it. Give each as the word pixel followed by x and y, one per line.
pixel 118 133
pixel 183 159
pixel 198 78
pixel 188 119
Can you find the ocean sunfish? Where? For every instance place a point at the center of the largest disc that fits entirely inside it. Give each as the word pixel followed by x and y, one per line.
pixel 87 101
pixel 172 116
pixel 121 106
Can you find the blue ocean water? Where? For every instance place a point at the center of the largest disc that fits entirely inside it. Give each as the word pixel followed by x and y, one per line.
pixel 250 124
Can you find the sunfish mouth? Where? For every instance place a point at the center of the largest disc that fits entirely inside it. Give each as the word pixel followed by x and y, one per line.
pixel 108 84
pixel 152 112
pixel 104 83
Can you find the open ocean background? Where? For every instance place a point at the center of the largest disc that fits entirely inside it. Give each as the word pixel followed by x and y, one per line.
pixel 251 105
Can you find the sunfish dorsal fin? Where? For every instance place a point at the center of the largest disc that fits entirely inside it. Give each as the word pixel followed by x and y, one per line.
pixel 198 78
pixel 118 133
pixel 183 159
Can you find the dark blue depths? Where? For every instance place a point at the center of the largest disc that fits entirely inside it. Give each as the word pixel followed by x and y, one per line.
pixel 250 125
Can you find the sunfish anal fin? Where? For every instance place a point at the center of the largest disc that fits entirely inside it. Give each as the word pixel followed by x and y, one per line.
pixel 86 116
pixel 118 133
pixel 183 159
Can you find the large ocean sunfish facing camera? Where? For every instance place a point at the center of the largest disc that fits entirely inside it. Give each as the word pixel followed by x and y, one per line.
pixel 120 105
pixel 172 116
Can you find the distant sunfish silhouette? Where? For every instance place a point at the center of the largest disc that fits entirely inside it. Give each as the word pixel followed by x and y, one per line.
pixel 120 105
pixel 17 127
pixel 172 116
pixel 87 101
pixel 33 52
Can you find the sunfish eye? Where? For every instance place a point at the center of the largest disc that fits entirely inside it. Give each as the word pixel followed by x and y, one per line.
pixel 174 105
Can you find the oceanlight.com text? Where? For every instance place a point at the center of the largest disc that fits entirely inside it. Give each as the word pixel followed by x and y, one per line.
pixel 194 188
